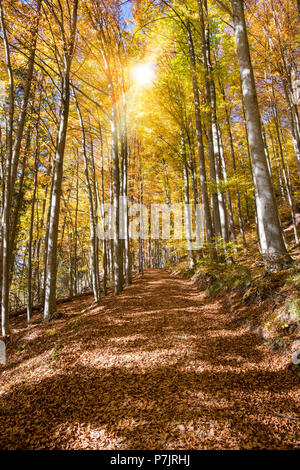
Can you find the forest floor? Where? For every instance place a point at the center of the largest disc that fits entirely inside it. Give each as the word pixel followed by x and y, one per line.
pixel 162 366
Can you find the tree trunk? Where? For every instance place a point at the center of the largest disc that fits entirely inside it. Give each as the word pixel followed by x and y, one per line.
pixel 125 219
pixel 187 211
pixel 51 267
pixel 272 245
pixel 238 198
pixel 203 179
pixel 212 133
pixel 50 294
pixel 228 195
pixel 93 236
pixel 29 275
pixel 7 194
pixel 117 258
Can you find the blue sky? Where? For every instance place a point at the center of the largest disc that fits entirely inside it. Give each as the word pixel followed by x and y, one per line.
pixel 126 9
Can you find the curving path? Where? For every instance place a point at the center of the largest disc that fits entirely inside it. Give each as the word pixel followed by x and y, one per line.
pixel 159 367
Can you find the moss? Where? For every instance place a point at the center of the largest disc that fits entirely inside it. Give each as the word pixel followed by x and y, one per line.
pixel 224 279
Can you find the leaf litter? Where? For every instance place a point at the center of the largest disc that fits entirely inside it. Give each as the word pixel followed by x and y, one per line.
pixel 159 367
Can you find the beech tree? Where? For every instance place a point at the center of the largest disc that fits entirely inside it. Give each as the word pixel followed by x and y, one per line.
pixel 270 232
pixel 68 38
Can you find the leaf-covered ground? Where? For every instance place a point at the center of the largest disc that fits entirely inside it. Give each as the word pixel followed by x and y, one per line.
pixel 159 367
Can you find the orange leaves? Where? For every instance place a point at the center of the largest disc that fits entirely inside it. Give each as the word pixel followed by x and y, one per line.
pixel 162 368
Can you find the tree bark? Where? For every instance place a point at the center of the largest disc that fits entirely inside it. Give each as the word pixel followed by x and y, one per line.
pixel 272 245
pixel 29 275
pixel 93 236
pixel 51 268
pixel 187 209
pixel 212 133
pixel 203 178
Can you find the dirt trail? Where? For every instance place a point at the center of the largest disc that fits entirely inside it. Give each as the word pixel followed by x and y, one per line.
pixel 159 367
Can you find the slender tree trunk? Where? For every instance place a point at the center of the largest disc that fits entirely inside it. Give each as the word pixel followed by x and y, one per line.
pixel 228 195
pixel 203 179
pixel 104 243
pixel 117 261
pixel 124 187
pixel 187 209
pixel 111 234
pixel 234 167
pixel 212 133
pixel 192 166
pixel 51 267
pixel 7 194
pixel 141 201
pixel 96 213
pixel 17 206
pixel 93 235
pixel 29 274
pixel 76 229
pixel 221 201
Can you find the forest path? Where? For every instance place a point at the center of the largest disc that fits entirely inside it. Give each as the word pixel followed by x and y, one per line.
pixel 159 367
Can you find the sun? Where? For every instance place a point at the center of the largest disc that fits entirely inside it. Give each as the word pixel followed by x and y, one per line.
pixel 143 74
